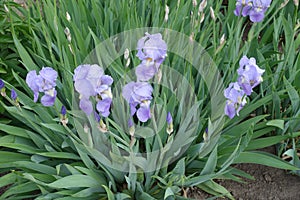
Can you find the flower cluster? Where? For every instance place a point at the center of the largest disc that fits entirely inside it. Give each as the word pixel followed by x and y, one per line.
pixel 44 82
pixel 152 51
pixel 254 8
pixel 249 76
pixel 90 81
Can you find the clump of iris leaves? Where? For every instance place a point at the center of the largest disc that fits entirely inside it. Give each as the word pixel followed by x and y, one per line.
pixel 40 158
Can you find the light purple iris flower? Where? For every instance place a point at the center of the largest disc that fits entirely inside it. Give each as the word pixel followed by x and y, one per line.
pixel 138 94
pixel 257 13
pixel 242 7
pixel 250 75
pixel 44 82
pixel 236 99
pixel 90 81
pixel 152 51
pixel 254 8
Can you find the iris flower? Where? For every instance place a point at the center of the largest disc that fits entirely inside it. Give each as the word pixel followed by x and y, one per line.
pixel 44 82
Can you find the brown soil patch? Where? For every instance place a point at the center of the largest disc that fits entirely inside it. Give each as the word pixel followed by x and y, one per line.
pixel 270 183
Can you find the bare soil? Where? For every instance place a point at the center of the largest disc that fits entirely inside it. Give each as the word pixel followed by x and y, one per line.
pixel 270 183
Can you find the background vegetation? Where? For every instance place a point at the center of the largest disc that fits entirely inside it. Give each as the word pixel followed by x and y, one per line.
pixel 42 159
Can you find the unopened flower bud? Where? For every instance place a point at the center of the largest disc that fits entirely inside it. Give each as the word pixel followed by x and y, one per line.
pixel 13 94
pixel 127 63
pixel 170 123
pixel 296 2
pixel 202 5
pixel 2 88
pixel 166 13
pixel 55 23
pixel 86 128
pixel 202 18
pixel 212 13
pixel 191 37
pixel 63 110
pixel 68 34
pixel 6 8
pixel 131 127
pixel 67 31
pixel 126 54
pixel 284 4
pixel 70 48
pixel 102 126
pixel 194 3
pixel 14 97
pixel 159 76
pixel 68 16
pixel 205 136
pixel 222 40
pixel 63 116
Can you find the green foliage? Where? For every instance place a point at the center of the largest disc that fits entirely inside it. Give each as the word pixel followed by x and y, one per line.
pixel 45 160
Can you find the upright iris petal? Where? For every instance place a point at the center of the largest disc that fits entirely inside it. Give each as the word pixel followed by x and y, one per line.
pixel 258 10
pixel 250 75
pixel 254 8
pixel 152 51
pixel 242 7
pixel 152 47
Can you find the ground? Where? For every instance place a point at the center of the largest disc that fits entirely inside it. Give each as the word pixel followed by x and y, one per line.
pixel 270 183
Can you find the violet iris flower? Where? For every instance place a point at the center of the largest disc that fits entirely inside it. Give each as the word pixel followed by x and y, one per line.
pixel 236 99
pixel 257 13
pixel 152 51
pixel 138 94
pixel 90 81
pixel 250 75
pixel 44 82
pixel 242 7
pixel 254 8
